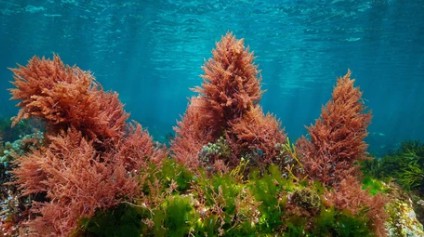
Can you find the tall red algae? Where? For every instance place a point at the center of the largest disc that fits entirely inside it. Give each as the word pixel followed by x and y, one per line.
pixel 230 92
pixel 337 138
pixel 65 96
pixel 336 146
pixel 191 136
pixel 91 156
pixel 231 86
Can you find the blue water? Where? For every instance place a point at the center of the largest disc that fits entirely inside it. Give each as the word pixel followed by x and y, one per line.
pixel 151 52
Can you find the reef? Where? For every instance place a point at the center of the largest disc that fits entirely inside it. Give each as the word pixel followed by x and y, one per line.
pixel 231 170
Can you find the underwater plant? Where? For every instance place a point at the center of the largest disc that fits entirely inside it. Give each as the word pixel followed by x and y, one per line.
pixel 336 147
pixel 227 106
pixel 350 197
pixel 64 96
pixel 336 142
pixel 14 207
pixel 91 155
pixel 225 204
pixel 233 171
pixel 405 166
pixel 75 180
pixel 10 133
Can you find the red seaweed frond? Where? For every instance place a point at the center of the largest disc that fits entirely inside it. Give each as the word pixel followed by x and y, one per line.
pixel 257 133
pixel 138 148
pixel 91 155
pixel 66 97
pixel 231 86
pixel 337 138
pixel 228 96
pixel 76 180
pixel 192 134
pixel 350 196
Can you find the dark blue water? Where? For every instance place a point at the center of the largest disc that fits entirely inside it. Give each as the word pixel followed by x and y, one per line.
pixel 152 51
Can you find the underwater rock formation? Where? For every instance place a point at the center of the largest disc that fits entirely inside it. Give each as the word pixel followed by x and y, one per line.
pixel 91 156
pixel 402 219
pixel 227 106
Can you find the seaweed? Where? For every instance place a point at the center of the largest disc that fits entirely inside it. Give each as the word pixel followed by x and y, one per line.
pixel 405 166
pixel 232 170
pixel 228 204
pixel 227 106
pixel 122 220
pixel 333 223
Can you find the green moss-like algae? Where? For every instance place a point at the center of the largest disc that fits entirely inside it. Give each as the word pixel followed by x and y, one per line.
pixel 178 202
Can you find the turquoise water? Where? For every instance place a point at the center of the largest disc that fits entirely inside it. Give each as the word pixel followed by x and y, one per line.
pixel 151 52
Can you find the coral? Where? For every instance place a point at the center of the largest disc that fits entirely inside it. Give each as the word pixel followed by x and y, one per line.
pixel 336 140
pixel 227 105
pixel 91 156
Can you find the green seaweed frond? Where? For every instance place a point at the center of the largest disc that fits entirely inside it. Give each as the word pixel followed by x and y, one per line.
pixel 239 171
pixel 374 186
pixel 292 160
pixel 122 220
pixel 411 177
pixel 404 166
